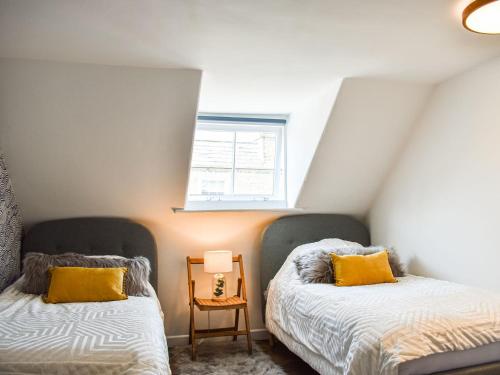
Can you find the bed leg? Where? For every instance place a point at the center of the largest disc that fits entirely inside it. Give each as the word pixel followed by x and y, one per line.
pixel 272 341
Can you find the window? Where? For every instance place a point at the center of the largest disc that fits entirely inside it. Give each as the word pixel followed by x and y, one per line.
pixel 238 163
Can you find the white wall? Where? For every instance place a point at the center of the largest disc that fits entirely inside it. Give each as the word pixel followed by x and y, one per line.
pixel 95 140
pixel 440 205
pixel 368 125
pixel 304 131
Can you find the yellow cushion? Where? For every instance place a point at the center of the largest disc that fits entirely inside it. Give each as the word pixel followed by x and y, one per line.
pixel 79 284
pixel 353 270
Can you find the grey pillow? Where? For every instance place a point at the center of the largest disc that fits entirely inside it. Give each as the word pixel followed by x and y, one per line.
pixel 36 265
pixel 316 266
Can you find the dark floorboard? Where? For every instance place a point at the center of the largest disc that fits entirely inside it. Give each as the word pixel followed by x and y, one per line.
pixel 280 354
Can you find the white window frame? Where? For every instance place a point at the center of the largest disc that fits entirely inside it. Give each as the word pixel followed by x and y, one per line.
pixel 244 201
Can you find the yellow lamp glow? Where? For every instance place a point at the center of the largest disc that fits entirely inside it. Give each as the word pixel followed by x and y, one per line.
pixel 482 16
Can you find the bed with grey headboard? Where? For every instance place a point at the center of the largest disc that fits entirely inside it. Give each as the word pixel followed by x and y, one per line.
pixel 286 233
pixel 123 336
pixel 93 236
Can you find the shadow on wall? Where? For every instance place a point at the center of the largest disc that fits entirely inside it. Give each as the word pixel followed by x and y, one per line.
pixel 416 266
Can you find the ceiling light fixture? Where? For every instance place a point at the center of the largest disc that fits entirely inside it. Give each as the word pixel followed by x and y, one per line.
pixel 482 16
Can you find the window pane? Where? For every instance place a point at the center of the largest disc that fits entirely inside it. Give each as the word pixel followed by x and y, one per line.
pixel 256 150
pixel 233 162
pixel 213 149
pixel 254 181
pixel 210 181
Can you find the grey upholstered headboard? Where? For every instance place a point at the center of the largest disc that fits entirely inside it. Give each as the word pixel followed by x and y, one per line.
pixel 94 236
pixel 288 232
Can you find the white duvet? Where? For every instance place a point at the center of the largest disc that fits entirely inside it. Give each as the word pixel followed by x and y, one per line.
pixel 372 329
pixel 119 337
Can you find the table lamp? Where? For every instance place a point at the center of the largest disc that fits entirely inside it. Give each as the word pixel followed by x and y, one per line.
pixel 217 262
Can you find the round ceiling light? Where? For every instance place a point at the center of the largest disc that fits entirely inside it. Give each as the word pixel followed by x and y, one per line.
pixel 482 16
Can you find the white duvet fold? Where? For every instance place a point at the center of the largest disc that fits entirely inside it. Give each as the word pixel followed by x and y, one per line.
pixel 372 329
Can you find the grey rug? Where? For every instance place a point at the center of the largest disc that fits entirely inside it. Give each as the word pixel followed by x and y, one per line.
pixel 222 358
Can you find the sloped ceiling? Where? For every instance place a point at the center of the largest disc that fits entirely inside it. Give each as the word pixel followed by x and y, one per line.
pixel 85 139
pixel 304 131
pixel 368 126
pixel 257 56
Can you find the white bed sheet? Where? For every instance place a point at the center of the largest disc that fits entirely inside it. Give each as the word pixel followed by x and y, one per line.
pixel 373 329
pixel 118 337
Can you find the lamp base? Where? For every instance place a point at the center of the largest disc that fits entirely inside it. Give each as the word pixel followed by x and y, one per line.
pixel 219 287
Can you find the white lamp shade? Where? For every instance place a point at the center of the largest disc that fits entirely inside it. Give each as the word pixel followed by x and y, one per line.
pixel 218 261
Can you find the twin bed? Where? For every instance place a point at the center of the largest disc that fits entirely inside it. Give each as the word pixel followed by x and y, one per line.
pixel 118 337
pixel 416 326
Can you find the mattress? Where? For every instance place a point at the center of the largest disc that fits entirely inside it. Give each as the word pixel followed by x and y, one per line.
pixel 118 337
pixel 381 329
pixel 452 360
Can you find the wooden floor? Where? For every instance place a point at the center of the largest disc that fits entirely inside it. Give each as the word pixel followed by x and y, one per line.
pixel 280 354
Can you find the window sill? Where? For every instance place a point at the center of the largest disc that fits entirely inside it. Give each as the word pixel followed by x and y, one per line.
pixel 235 205
pixel 176 210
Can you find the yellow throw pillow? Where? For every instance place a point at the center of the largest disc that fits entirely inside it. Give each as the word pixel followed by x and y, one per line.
pixel 80 284
pixel 353 270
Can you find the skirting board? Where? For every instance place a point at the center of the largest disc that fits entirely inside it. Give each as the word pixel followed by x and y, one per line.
pixel 180 340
